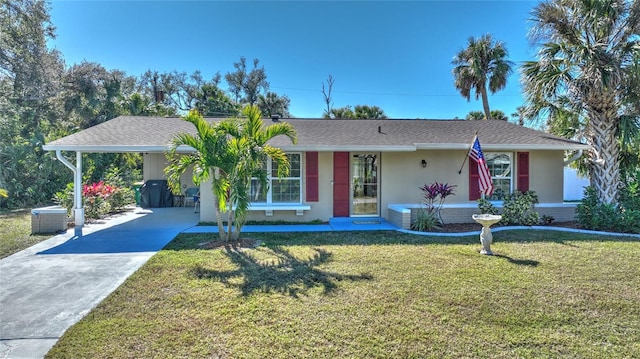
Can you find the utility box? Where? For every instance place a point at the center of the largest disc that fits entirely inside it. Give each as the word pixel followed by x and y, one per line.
pixel 48 220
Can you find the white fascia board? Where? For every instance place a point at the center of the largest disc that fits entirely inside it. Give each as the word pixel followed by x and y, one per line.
pixel 499 147
pixel 114 149
pixel 294 148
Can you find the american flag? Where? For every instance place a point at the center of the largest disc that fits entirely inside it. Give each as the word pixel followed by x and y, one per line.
pixel 486 185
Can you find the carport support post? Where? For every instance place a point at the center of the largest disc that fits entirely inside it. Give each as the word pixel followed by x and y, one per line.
pixel 78 211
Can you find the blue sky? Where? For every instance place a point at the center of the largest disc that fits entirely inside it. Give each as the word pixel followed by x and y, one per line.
pixel 395 55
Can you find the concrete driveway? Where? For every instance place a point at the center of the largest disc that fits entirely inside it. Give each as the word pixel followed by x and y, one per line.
pixel 47 288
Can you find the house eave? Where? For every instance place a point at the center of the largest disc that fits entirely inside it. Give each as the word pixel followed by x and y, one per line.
pixel 114 149
pixel 501 147
pixel 294 148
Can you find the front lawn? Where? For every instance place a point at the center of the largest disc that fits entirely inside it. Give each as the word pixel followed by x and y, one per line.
pixel 15 232
pixel 374 294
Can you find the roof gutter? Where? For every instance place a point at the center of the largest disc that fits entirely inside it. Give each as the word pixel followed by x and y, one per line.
pixel 574 157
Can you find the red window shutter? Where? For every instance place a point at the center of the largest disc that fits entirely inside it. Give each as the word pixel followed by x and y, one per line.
pixel 474 176
pixel 523 171
pixel 312 177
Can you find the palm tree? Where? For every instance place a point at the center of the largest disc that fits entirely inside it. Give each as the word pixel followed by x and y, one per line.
pixel 229 153
pixel 475 115
pixel 584 63
pixel 483 63
pixel 249 149
pixel 4 193
pixel 211 154
pixel 479 115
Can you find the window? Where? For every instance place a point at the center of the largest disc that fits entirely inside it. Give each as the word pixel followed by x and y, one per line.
pixel 280 190
pixel 500 166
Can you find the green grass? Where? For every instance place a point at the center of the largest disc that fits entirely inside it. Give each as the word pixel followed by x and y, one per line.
pixel 15 232
pixel 374 295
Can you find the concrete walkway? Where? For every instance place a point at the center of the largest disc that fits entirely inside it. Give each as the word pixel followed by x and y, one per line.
pixel 47 288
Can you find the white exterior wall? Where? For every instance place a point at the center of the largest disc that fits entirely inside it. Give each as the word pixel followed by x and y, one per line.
pixel 153 169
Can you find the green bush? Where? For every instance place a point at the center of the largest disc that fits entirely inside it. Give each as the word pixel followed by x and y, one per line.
pixel 630 221
pixel 64 198
pixel 596 215
pixel 425 221
pixel 518 208
pixel 486 207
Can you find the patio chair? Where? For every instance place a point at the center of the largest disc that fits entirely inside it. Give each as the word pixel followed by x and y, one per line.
pixel 193 195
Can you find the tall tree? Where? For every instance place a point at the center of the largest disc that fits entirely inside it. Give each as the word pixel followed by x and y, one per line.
pixel 479 115
pixel 520 115
pixel 483 63
pixel 326 92
pixel 29 80
pixel 360 112
pixel 369 112
pixel 210 100
pixel 475 115
pixel 250 83
pixel 340 113
pixel 271 104
pixel 585 60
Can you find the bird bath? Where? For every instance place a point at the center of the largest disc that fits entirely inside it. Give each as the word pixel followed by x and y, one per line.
pixel 486 238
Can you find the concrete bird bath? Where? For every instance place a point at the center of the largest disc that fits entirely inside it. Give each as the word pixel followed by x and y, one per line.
pixel 486 238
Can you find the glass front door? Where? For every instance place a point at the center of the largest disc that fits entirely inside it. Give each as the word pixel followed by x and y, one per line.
pixel 364 184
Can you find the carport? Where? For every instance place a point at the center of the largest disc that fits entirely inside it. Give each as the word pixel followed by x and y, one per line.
pixel 126 134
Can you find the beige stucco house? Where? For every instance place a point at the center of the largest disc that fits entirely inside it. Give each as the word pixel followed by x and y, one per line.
pixel 363 168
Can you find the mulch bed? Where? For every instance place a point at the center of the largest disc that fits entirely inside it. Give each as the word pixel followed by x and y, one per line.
pixel 242 243
pixel 472 227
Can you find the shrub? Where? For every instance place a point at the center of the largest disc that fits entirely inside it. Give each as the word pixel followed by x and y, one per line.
pixel 630 221
pixel 425 221
pixel 100 198
pixel 519 208
pixel 596 215
pixel 486 207
pixel 64 198
pixel 547 219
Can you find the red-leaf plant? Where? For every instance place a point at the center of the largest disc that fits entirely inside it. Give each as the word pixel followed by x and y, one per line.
pixel 434 196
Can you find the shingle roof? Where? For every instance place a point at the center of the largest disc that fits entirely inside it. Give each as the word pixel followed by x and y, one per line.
pixel 153 134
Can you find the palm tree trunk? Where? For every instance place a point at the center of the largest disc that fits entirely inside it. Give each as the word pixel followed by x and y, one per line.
pixel 605 174
pixel 221 231
pixel 229 224
pixel 485 103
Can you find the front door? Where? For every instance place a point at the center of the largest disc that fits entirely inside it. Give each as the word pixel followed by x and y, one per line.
pixel 364 184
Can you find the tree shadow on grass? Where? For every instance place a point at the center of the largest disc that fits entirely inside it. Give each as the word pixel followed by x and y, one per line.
pixel 520 262
pixel 284 273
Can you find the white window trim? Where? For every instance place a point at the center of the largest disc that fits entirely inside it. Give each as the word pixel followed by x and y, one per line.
pixel 270 179
pixel 510 177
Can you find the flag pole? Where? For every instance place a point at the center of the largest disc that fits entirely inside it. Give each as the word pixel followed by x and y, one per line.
pixel 467 156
